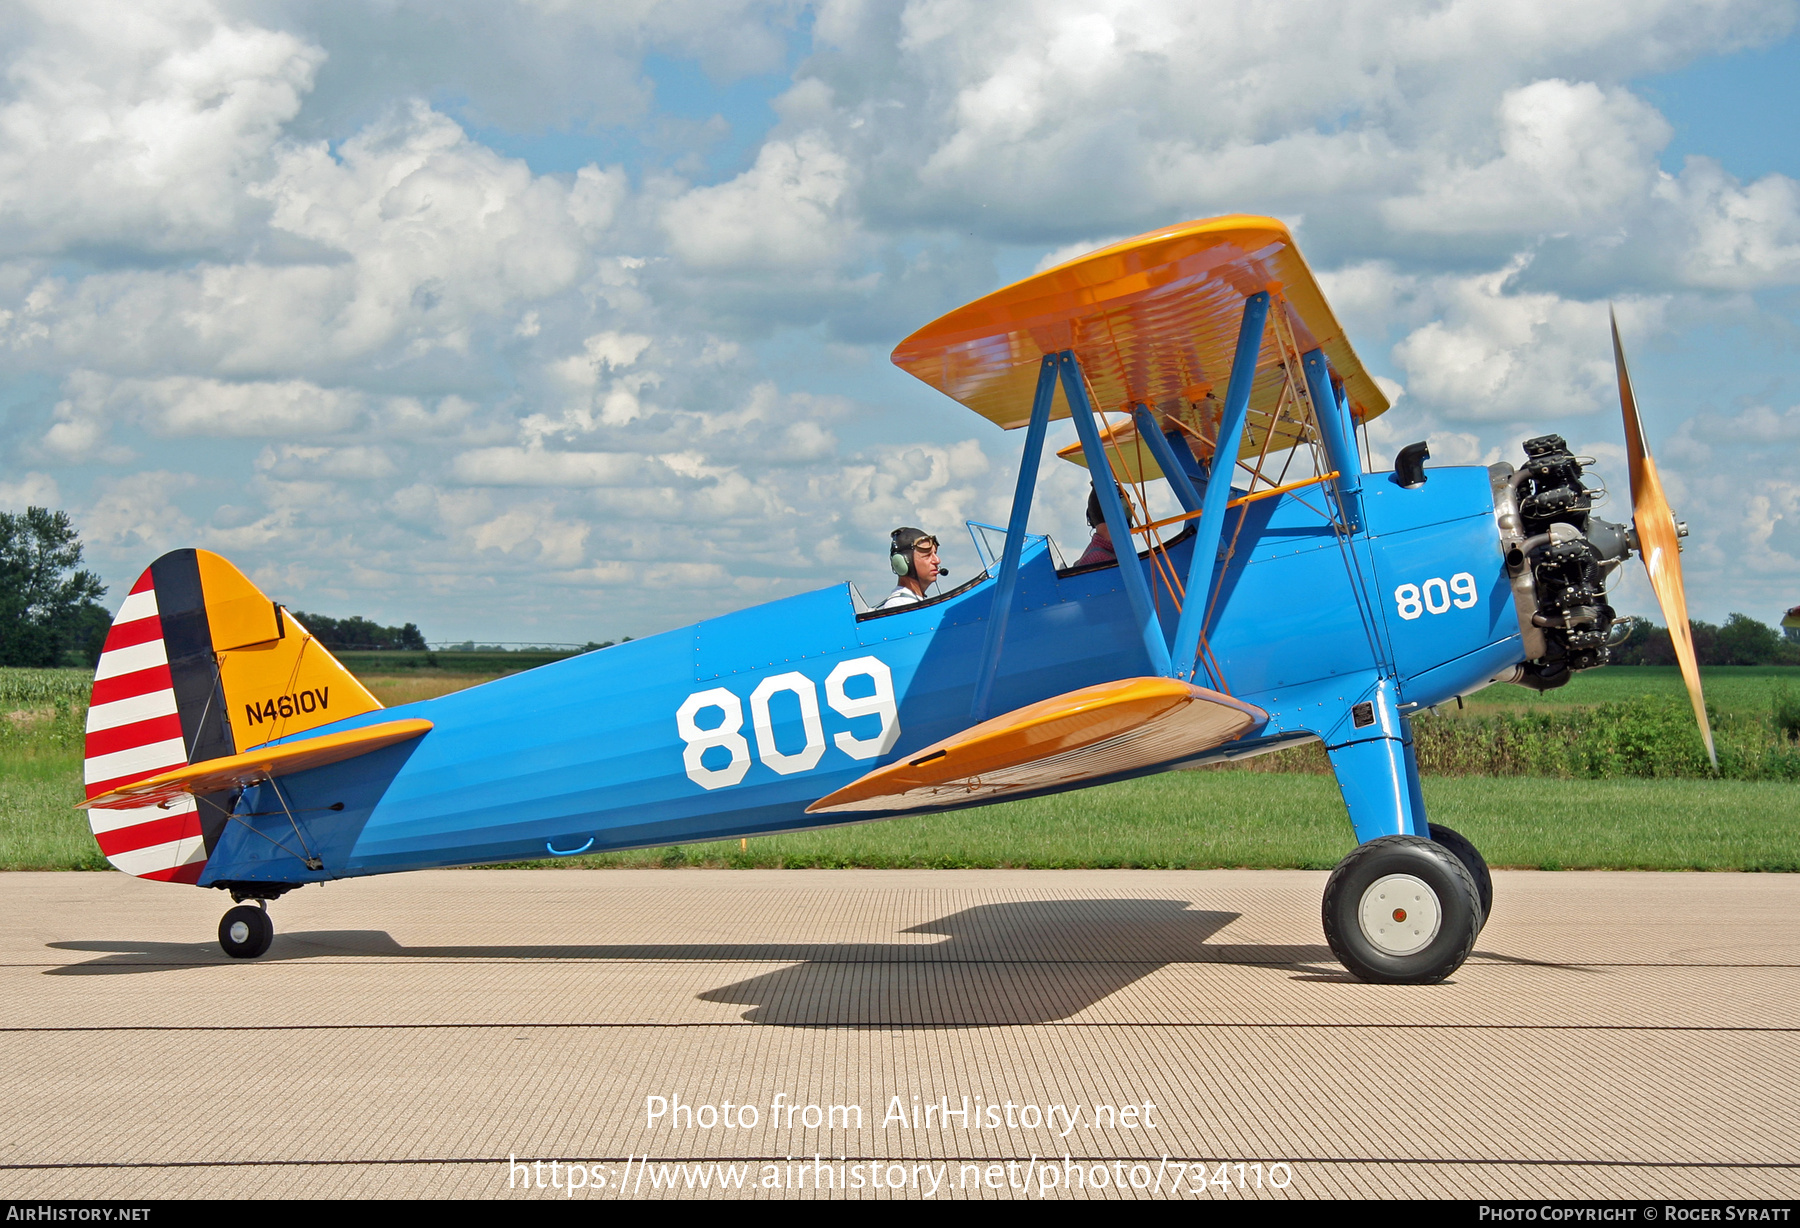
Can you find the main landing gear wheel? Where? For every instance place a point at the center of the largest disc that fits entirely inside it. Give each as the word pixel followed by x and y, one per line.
pixel 1472 861
pixel 1402 910
pixel 246 932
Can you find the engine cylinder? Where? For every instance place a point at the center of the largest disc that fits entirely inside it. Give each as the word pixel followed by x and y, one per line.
pixel 1559 556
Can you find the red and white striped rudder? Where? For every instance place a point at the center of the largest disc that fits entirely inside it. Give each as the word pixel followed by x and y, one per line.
pixel 134 731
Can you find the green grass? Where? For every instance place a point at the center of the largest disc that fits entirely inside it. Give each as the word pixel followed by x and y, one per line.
pixel 1182 819
pixel 40 772
pixel 1623 824
pixel 1730 689
pixel 1197 820
pixel 40 829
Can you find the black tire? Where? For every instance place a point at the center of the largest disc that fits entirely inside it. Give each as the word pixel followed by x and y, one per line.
pixel 1472 861
pixel 246 932
pixel 1435 879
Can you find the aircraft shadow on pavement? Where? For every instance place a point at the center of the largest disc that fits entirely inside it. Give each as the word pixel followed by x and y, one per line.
pixel 1026 961
pixel 1032 961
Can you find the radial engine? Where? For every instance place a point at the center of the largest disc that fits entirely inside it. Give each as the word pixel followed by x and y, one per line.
pixel 1559 558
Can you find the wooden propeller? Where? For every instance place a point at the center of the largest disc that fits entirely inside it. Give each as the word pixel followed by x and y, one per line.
pixel 1659 543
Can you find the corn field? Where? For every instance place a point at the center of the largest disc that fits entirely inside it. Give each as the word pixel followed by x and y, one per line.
pixel 37 688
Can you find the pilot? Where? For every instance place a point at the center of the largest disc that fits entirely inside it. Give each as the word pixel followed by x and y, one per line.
pixel 1100 545
pixel 913 554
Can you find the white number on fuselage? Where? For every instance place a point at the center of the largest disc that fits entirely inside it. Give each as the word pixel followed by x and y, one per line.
pixel 1434 596
pixel 727 733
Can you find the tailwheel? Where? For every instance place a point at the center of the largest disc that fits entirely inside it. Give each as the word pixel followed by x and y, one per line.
pixel 1472 861
pixel 246 932
pixel 1402 910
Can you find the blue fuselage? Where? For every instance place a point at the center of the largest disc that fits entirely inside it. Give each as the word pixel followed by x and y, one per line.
pixel 733 726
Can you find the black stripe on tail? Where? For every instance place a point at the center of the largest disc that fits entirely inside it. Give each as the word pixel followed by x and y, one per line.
pixel 194 668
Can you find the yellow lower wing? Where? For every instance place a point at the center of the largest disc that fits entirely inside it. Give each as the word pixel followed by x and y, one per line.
pixel 1082 735
pixel 238 771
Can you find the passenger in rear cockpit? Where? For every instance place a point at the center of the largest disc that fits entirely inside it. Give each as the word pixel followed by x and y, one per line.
pixel 1100 548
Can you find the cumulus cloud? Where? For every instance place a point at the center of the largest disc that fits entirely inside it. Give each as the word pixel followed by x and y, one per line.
pixel 1070 251
pixel 351 463
pixel 526 66
pixel 141 127
pixel 1074 115
pixel 788 212
pixel 97 406
pixel 184 405
pixel 922 484
pixel 30 490
pixel 416 239
pixel 291 241
pixel 139 519
pixel 439 227
pixel 1498 353
pixel 1570 153
pixel 1737 237
pixel 537 467
pixel 602 352
pixel 532 533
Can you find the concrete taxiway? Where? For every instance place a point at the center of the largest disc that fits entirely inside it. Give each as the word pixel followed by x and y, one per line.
pixel 1622 1035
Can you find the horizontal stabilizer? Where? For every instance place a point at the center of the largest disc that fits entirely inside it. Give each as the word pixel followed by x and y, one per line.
pixel 240 771
pixel 1088 734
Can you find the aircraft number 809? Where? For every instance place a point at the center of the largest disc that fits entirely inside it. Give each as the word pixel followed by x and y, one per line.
pixel 1412 600
pixel 728 733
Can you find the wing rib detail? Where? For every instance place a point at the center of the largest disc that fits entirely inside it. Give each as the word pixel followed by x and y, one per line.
pixel 1087 734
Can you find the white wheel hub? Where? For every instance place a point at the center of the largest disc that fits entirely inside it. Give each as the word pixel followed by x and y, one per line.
pixel 240 932
pixel 1400 914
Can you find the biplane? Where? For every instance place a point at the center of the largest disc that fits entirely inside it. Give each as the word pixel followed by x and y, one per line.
pixel 1297 596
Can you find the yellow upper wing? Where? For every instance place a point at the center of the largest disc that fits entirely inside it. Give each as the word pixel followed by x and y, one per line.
pixel 1153 320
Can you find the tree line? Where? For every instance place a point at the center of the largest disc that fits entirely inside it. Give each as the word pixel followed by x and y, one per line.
pixel 359 633
pixel 1740 640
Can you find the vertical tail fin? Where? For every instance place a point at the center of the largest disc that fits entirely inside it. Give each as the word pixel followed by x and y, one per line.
pixel 198 664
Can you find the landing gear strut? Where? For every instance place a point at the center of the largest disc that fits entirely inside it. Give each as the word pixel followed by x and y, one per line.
pixel 246 931
pixel 1402 910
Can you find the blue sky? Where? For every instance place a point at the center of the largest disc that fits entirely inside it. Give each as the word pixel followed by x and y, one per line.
pixel 529 324
pixel 1730 108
